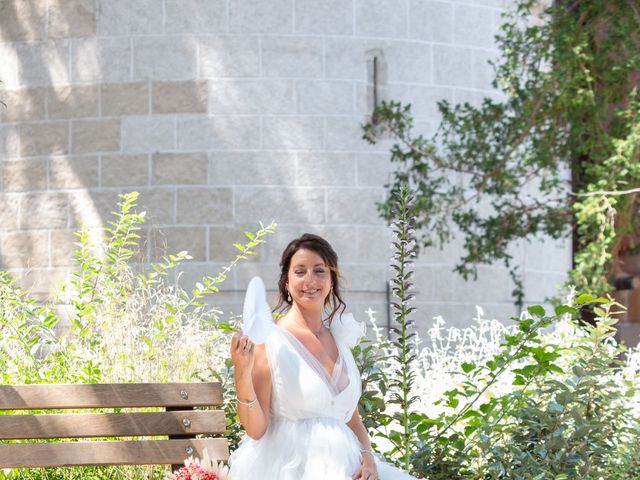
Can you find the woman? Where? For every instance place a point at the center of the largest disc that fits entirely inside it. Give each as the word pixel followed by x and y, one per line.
pixel 298 393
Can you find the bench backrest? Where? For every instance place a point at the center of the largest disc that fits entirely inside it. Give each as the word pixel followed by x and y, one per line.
pixel 179 422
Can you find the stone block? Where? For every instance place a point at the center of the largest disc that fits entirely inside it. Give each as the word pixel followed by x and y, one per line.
pixel 62 247
pixel 346 58
pixel 325 97
pixel 9 210
pixel 72 101
pixel 71 18
pixel 354 206
pixel 256 16
pixel 360 277
pixel 179 168
pixel 179 97
pixel 172 240
pixel 92 208
pixel 424 101
pixel 49 138
pixel 269 272
pixel 9 66
pixel 148 134
pixel 73 172
pixel 374 244
pixel 204 206
pixel 124 99
pixel 319 169
pixel 374 169
pixel 44 210
pixel 284 205
pixel 365 96
pixel 379 18
pixel 341 239
pixel 9 141
pixel 405 61
pixel 229 56
pixel 195 16
pixel 474 26
pixel 431 21
pixel 539 286
pixel 24 175
pixel 23 104
pixel 345 133
pixel 252 168
pixel 547 254
pixel 453 66
pixel 100 60
pixel 483 72
pixel 164 58
pixel 473 97
pixel 222 239
pixel 43 63
pixel 409 62
pixel 23 21
pixel 330 17
pixel 293 133
pixel 124 170
pixel 124 17
pixel 292 57
pixel 218 133
pixel 95 136
pixel 160 204
pixel 25 249
pixel 231 97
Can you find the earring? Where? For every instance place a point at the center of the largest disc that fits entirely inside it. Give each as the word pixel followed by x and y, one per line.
pixel 288 296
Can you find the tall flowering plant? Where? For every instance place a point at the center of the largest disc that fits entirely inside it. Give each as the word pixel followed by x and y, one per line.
pixel 196 469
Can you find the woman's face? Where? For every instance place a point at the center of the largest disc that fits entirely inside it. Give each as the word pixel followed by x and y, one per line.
pixel 309 278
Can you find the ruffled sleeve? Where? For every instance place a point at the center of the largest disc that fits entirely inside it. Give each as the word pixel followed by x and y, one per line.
pixel 346 329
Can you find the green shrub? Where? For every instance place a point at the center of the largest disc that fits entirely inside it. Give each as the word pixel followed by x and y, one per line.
pixel 127 324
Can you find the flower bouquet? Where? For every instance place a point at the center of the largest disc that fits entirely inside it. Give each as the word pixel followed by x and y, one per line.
pixel 196 469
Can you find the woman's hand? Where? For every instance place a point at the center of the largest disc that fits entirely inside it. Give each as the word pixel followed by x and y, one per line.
pixel 367 469
pixel 242 354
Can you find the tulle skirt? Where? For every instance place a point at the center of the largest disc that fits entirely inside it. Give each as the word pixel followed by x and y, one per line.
pixel 307 449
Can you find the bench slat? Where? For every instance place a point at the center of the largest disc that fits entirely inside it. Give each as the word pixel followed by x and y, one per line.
pixel 40 397
pixel 130 452
pixel 17 427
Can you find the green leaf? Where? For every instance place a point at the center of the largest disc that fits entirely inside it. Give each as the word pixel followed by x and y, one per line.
pixel 467 367
pixel 536 310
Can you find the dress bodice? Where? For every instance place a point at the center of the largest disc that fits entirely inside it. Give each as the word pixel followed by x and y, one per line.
pixel 302 388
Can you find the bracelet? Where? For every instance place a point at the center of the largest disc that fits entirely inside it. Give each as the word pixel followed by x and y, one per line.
pixel 248 404
pixel 367 451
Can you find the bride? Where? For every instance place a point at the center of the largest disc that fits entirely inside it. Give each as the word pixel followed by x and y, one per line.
pixel 298 393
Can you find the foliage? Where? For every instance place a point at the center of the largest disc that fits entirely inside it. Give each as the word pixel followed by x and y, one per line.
pixel 560 145
pixel 544 398
pixel 125 325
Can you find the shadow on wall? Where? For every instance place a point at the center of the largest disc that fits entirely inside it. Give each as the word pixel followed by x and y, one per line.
pixel 37 166
pixel 210 157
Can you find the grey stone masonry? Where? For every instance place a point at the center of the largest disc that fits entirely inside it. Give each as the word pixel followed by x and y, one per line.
pixel 227 113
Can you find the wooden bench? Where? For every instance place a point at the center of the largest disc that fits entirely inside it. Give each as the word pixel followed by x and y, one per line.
pixel 179 422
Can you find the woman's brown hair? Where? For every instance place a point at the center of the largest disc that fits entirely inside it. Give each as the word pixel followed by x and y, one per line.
pixel 320 246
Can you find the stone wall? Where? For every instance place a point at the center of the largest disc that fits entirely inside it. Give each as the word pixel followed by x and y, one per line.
pixel 225 113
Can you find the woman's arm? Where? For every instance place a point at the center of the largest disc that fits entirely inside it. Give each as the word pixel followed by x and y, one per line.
pixel 368 468
pixel 253 385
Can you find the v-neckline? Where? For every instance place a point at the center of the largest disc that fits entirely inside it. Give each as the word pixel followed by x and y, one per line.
pixel 339 359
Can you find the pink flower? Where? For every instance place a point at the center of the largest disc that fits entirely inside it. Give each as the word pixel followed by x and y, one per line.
pixel 196 469
pixel 194 472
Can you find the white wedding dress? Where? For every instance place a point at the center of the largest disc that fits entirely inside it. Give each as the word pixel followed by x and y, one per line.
pixel 307 437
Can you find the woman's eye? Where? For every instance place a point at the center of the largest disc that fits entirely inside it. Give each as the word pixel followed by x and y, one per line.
pixel 299 272
pixel 320 271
